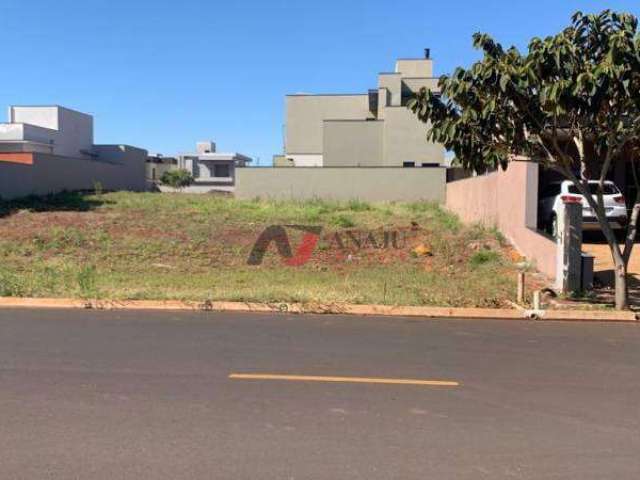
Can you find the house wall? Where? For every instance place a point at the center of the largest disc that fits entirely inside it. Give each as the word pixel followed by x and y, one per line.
pixel 159 169
pixel 405 139
pixel 116 168
pixel 306 114
pixel 392 83
pixel 363 183
pixel 303 160
pixel 69 132
pixel 415 67
pixel 508 201
pixel 414 84
pixel 349 143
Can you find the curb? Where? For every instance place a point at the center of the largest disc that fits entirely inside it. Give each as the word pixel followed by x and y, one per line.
pixel 363 310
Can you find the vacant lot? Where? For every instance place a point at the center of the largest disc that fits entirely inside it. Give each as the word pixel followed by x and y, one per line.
pixel 189 247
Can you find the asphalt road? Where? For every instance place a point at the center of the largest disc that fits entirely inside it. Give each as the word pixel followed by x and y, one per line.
pixel 147 395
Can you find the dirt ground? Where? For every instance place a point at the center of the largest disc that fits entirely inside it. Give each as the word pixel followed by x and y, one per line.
pixel 603 261
pixel 595 245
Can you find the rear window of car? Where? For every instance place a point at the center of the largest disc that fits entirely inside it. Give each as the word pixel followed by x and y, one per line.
pixel 609 189
pixel 551 190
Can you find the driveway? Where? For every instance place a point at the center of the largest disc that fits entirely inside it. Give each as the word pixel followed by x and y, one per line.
pixel 594 244
pixel 604 262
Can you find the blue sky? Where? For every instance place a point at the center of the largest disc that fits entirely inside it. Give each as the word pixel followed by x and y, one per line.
pixel 163 74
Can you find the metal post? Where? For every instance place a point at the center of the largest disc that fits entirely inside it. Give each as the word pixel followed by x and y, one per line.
pixel 537 306
pixel 520 296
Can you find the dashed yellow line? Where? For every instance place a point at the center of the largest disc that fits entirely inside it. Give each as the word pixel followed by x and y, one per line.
pixel 307 378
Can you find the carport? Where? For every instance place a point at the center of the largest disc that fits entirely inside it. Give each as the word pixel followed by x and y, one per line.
pixel 594 243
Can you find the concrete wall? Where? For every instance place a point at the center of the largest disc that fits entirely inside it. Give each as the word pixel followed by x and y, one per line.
pixel 392 82
pixel 368 184
pixel 159 169
pixel 405 139
pixel 305 115
pixel 415 67
pixel 116 168
pixel 509 201
pixel 352 143
pixel 415 84
pixel 69 132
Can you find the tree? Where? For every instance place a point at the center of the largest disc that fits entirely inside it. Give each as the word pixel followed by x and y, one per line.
pixel 571 103
pixel 177 179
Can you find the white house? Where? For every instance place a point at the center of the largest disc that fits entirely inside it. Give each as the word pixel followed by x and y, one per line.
pixel 48 149
pixel 212 171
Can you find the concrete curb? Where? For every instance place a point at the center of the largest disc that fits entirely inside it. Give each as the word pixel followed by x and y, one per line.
pixel 369 310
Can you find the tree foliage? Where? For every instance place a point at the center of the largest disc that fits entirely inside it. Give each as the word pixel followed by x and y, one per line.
pixel 177 179
pixel 571 102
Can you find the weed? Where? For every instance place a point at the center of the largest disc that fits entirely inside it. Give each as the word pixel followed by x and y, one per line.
pixel 343 221
pixel 358 206
pixel 483 257
pixel 87 284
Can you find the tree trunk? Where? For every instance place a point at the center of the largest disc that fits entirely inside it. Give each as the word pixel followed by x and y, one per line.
pixel 620 274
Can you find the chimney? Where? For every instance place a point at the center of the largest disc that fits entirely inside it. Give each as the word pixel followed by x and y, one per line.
pixel 427 53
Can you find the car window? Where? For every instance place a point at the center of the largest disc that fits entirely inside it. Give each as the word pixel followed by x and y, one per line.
pixel 609 189
pixel 551 190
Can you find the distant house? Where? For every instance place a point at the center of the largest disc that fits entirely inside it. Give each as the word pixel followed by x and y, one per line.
pixel 157 165
pixel 48 149
pixel 373 129
pixel 211 170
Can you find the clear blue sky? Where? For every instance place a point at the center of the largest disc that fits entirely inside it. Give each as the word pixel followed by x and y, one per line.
pixel 164 74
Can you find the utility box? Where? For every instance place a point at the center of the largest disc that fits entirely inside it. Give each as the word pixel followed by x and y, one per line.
pixel 587 272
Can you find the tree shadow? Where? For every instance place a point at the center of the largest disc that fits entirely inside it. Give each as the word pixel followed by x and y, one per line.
pixel 57 202
pixel 604 288
pixel 598 238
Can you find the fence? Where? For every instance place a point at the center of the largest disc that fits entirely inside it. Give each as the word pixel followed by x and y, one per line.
pixel 117 168
pixel 342 183
pixel 507 200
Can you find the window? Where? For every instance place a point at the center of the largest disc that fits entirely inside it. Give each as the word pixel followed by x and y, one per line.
pixel 221 171
pixel 551 190
pixel 609 189
pixel 409 164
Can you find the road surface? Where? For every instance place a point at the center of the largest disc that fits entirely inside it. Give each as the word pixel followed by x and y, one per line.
pixel 144 395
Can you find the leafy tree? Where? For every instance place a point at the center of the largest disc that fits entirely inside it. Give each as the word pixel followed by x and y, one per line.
pixel 571 103
pixel 177 179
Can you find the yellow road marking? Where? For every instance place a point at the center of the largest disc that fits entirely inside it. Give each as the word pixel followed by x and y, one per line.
pixel 306 378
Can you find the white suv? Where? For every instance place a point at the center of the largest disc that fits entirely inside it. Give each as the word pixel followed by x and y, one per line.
pixel 552 199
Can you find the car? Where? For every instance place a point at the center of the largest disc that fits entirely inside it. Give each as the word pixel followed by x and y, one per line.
pixel 552 200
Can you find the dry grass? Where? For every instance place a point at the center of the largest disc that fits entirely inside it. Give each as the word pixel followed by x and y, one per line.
pixel 178 246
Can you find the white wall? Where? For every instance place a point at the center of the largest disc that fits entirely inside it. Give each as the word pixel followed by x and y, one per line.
pixel 46 117
pixel 70 132
pixel 307 160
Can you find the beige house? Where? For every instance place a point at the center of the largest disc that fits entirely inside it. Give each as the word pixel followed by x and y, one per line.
pixel 373 129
